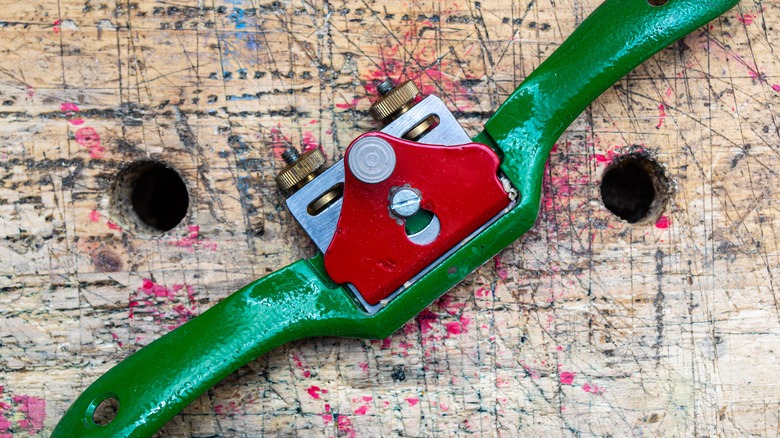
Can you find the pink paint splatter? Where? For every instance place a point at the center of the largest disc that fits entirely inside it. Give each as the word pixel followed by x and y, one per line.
pixel 662 115
pixel 745 18
pixel 113 226
pixel 593 389
pixel 449 305
pixel 116 338
pixel 663 222
pixel 90 139
pixel 231 409
pixel 94 216
pixel 34 411
pixel 309 142
pixel 351 104
pixel 345 427
pixel 709 43
pixel 278 141
pixel 315 391
pixel 151 288
pixel 457 328
pixel 191 240
pixel 326 416
pixel 412 401
pixel 299 363
pixel 365 405
pixel 430 71
pixel 425 320
pixel 69 107
pixel 500 268
pixel 4 426
pixel 168 307
pixel 56 27
pixel 567 378
pixel 776 87
pixel 70 110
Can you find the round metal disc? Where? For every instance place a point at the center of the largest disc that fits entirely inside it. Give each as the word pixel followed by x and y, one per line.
pixel 371 160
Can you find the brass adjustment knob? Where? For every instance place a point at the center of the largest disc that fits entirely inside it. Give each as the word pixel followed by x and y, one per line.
pixel 300 169
pixel 395 102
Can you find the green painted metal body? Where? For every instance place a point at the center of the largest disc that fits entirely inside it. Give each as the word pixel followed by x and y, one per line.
pixel 299 301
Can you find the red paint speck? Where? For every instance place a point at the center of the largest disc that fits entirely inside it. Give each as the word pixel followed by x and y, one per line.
pixel 366 405
pixel 113 226
pixel 663 222
pixel 567 378
pixel 4 426
pixel 56 27
pixel 315 391
pixel 500 268
pixel 90 139
pixel 425 320
pixel 456 328
pixel 776 87
pixel 412 401
pixel 352 104
pixel 69 107
pixel 299 364
pixel 94 215
pixel 309 142
pixel 453 328
pixel 34 410
pixel 76 122
pixel 593 389
pixel 662 115
pixel 158 301
pixel 745 18
pixel 192 240
pixel 345 427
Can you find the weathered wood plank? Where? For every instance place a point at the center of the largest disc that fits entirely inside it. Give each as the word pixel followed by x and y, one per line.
pixel 586 326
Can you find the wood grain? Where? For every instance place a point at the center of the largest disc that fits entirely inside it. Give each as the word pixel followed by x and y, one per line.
pixel 587 326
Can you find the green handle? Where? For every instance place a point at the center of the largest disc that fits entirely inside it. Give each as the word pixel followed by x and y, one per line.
pixel 616 38
pixel 158 381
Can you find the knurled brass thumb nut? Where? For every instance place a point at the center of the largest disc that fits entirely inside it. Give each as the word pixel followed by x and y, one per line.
pixel 301 171
pixel 399 98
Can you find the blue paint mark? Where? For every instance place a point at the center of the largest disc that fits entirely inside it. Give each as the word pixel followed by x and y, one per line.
pixel 241 47
pixel 238 18
pixel 242 97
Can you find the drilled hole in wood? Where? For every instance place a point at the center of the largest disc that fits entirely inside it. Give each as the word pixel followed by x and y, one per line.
pixel 106 412
pixel 635 188
pixel 657 2
pixel 148 198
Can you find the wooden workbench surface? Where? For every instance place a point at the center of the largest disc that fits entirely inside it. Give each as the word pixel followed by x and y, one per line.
pixel 587 326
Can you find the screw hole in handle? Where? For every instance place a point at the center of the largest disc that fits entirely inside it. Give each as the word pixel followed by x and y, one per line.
pixel 657 3
pixel 103 410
